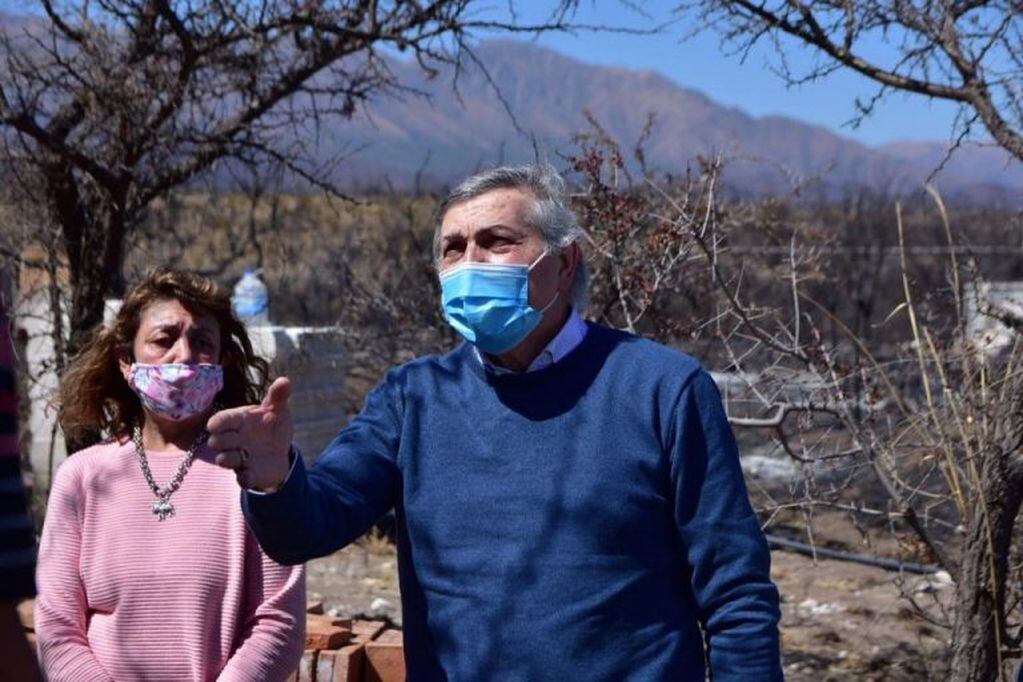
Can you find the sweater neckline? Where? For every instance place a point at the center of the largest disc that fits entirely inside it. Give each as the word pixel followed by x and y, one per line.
pixel 165 454
pixel 569 364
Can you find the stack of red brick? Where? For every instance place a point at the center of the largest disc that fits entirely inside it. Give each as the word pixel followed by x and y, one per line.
pixel 336 649
pixel 340 650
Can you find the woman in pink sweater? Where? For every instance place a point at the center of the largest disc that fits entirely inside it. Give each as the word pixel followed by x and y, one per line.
pixel 146 568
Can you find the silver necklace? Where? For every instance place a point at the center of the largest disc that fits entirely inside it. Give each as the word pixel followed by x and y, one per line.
pixel 163 508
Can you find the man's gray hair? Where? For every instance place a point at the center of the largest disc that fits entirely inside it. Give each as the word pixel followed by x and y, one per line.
pixel 550 212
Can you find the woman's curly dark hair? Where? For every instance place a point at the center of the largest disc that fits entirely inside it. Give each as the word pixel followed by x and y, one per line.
pixel 94 397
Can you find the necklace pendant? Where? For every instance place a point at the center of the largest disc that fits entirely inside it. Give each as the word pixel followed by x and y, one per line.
pixel 163 509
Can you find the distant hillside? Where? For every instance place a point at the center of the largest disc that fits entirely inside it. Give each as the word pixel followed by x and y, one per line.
pixel 440 134
pixel 448 135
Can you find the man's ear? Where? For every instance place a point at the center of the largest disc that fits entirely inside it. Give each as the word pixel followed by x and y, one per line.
pixel 568 263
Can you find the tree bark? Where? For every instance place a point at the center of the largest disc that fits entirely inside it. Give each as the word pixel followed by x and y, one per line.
pixel 94 243
pixel 979 626
pixel 95 273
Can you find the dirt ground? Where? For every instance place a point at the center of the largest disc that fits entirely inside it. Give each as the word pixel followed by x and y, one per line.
pixel 361 579
pixel 840 620
pixel 843 621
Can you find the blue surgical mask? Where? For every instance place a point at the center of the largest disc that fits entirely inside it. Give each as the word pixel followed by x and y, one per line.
pixel 488 304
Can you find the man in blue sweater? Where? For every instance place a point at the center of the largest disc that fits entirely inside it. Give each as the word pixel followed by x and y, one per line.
pixel 568 497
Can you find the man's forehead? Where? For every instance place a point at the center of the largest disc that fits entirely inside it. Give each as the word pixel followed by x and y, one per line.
pixel 506 206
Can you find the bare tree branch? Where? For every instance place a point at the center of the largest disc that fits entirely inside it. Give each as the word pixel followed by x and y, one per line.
pixel 963 52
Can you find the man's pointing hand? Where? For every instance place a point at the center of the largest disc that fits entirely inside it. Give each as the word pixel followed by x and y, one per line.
pixel 254 440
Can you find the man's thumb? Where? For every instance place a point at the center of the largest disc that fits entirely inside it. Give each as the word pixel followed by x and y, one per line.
pixel 278 395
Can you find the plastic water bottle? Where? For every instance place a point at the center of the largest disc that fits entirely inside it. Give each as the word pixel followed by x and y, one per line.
pixel 249 301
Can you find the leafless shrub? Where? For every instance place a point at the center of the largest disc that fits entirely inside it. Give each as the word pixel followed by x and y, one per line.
pixel 913 431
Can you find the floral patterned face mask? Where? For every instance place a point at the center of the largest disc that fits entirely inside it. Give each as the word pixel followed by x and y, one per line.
pixel 176 391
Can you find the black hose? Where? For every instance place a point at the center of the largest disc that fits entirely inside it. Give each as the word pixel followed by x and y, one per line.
pixel 778 542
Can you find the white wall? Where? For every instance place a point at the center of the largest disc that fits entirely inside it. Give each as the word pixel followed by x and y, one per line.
pixel 987 332
pixel 312 357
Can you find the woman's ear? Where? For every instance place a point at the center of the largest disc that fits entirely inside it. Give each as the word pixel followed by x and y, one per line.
pixel 124 363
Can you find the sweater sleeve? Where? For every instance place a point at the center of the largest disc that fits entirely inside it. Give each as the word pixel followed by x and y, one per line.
pixel 273 637
pixel 353 483
pixel 725 549
pixel 61 608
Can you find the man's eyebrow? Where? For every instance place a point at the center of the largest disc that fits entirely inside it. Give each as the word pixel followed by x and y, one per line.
pixel 495 227
pixel 502 229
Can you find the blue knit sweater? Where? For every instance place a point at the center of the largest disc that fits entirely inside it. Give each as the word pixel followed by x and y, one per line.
pixel 581 522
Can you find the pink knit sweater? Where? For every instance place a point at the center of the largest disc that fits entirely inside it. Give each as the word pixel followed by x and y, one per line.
pixel 123 596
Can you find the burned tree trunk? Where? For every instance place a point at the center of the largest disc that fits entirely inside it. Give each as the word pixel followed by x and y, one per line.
pixel 979 631
pixel 95 253
pixel 93 235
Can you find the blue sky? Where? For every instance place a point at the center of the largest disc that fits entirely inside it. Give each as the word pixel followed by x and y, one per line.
pixel 702 64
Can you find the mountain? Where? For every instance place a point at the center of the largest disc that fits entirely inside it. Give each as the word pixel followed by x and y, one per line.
pixel 461 125
pixel 436 130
